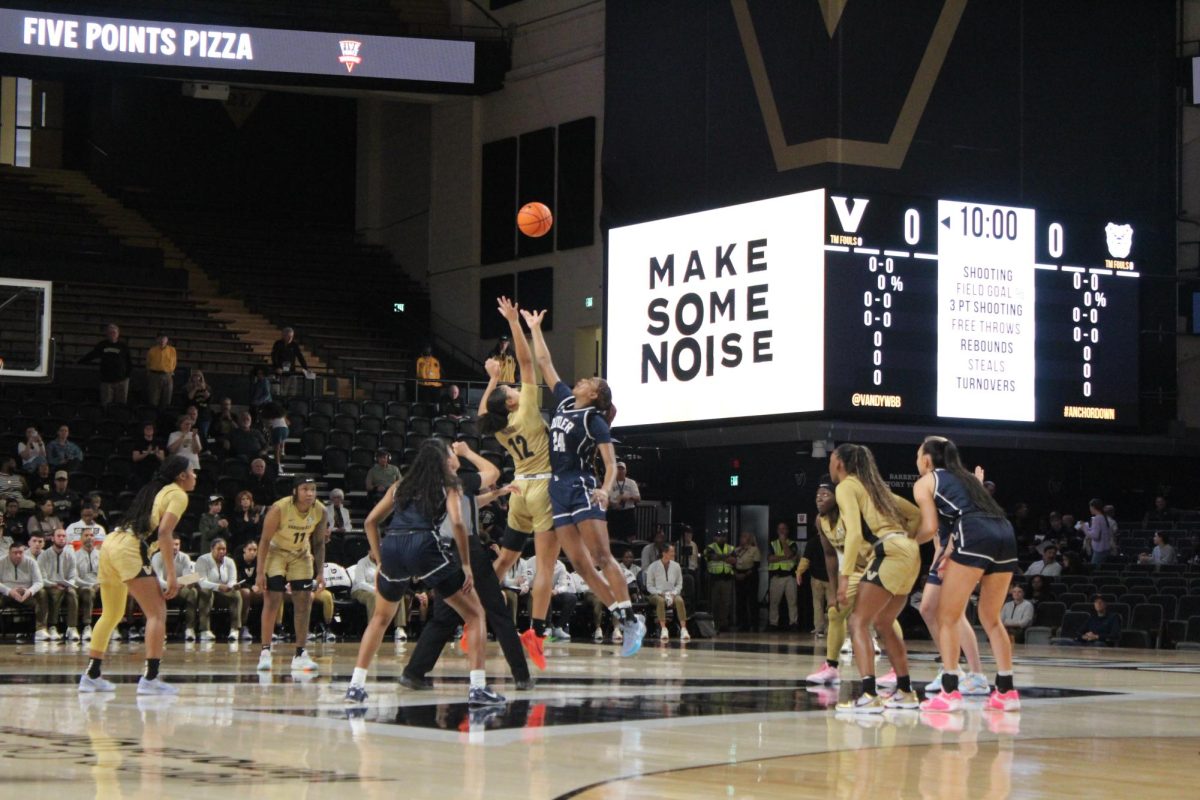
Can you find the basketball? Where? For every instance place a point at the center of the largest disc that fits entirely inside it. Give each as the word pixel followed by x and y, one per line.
pixel 534 219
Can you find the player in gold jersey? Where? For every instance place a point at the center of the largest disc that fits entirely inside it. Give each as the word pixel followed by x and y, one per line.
pixel 291 552
pixel 125 569
pixel 516 421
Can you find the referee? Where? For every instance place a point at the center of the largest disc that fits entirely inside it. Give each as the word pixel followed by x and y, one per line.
pixel 444 621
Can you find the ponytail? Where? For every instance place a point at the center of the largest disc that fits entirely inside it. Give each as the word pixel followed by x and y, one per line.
pixel 137 517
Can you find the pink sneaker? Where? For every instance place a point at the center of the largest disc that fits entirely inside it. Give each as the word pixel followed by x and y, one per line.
pixel 889 681
pixel 1009 701
pixel 825 675
pixel 943 701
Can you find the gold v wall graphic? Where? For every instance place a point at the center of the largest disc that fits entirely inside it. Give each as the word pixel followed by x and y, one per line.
pixel 887 155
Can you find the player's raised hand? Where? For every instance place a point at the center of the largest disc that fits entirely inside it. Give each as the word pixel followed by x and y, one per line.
pixel 979 474
pixel 507 308
pixel 492 367
pixel 533 318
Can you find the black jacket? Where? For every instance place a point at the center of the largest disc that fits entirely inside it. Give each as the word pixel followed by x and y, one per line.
pixel 115 362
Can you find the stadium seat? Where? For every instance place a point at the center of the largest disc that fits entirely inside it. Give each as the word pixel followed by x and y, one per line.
pixel 1169 603
pixel 392 440
pixel 350 407
pixel 1188 607
pixel 334 460
pixel 1073 623
pixel 1137 639
pixel 340 438
pixel 1192 640
pixel 420 426
pixel 366 440
pixel 1049 615
pixel 1149 619
pixel 363 456
pixel 370 424
pixel 314 442
pixel 345 422
pixel 356 478
pixel 373 408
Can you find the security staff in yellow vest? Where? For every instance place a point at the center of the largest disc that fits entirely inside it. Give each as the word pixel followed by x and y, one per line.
pixel 781 563
pixel 719 558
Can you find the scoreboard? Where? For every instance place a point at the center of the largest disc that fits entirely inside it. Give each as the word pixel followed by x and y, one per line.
pixel 880 307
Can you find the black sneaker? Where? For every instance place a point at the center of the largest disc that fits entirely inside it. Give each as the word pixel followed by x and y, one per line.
pixel 526 684
pixel 484 696
pixel 356 695
pixel 415 684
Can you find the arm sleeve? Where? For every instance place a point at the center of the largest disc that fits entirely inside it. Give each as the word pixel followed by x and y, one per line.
pixel 177 505
pixel 36 586
pixel 909 513
pixel 299 355
pixel 850 514
pixel 1025 618
pixel 652 581
pixel 206 581
pixel 90 355
pixel 677 581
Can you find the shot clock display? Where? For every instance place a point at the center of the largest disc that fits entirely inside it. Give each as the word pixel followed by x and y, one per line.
pixel 907 310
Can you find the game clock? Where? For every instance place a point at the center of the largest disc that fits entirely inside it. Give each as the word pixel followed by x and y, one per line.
pixel 879 307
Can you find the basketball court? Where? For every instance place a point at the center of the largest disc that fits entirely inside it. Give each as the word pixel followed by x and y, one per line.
pixel 725 717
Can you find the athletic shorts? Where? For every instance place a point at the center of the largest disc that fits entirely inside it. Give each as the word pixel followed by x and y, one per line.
pixel 529 511
pixel 934 579
pixel 279 435
pixel 571 499
pixel 515 540
pixel 289 566
pixel 418 556
pixel 983 542
pixel 123 558
pixel 852 581
pixel 896 565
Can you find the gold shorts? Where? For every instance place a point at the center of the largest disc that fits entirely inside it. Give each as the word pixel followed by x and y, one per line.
pixel 123 558
pixel 529 511
pixel 291 565
pixel 896 565
pixel 844 611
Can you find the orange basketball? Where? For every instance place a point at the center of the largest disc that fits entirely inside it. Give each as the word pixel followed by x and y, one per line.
pixel 534 219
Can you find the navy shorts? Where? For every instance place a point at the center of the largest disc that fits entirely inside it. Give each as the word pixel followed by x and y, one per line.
pixel 420 555
pixel 571 499
pixel 985 542
pixel 933 578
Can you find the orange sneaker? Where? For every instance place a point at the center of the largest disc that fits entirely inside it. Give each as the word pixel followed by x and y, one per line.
pixel 535 648
pixel 462 643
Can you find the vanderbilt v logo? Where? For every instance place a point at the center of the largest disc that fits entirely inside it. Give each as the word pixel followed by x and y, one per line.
pixel 831 150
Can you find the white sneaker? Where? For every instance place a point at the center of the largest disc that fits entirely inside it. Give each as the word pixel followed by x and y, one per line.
pixel 304 663
pixel 562 635
pixel 402 635
pixel 598 635
pixel 974 684
pixel 847 647
pixel 330 636
pixel 87 633
pixel 72 635
pixel 684 636
pixel 312 637
pixel 88 685
pixel 664 635
pixel 55 636
pixel 156 686
pixel 189 635
pixel 617 635
pixel 233 635
pixel 41 635
pixel 207 636
pixel 264 660
pixel 875 643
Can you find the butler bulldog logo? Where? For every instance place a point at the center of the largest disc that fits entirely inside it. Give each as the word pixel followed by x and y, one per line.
pixel 1120 239
pixel 350 56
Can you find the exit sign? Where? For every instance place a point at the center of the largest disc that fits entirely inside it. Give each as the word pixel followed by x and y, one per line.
pixel 733 480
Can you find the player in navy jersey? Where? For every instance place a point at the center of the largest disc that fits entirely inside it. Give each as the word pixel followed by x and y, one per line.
pixel 578 430
pixel 982 550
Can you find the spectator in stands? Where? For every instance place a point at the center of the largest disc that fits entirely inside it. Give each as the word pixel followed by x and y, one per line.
pixel 32 451
pixel 260 390
pixel 57 565
pixel 85 524
pixel 147 455
pixel 451 403
pixel 20 580
pixel 720 559
pixel 562 601
pixel 1160 513
pixel 6 541
pixel 41 483
pixel 12 483
pixel 247 441
pixel 285 355
pixel 664 585
pixel 516 585
pixel 1098 532
pixel 381 476
pixel 15 527
pixel 97 501
pixel 188 596
pixel 62 453
pixel 782 559
pixel 87 579
pixel 631 567
pixel 186 442
pixel 277 422
pixel 37 541
pixel 1071 564
pixel 115 366
pixel 429 373
pixel 363 591
pixel 653 551
pixel 746 561
pixel 337 516
pixel 44 521
pixel 1163 553
pixel 1102 629
pixel 199 394
pixel 1048 565
pixel 503 354
pixel 224 422
pixel 622 506
pixel 161 361
pixel 260 484
pixel 66 502
pixel 1039 590
pixel 687 552
pixel 218 581
pixel 1017 614
pixel 247 565
pixel 213 524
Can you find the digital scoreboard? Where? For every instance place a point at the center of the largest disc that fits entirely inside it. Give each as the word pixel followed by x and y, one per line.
pixel 893 309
